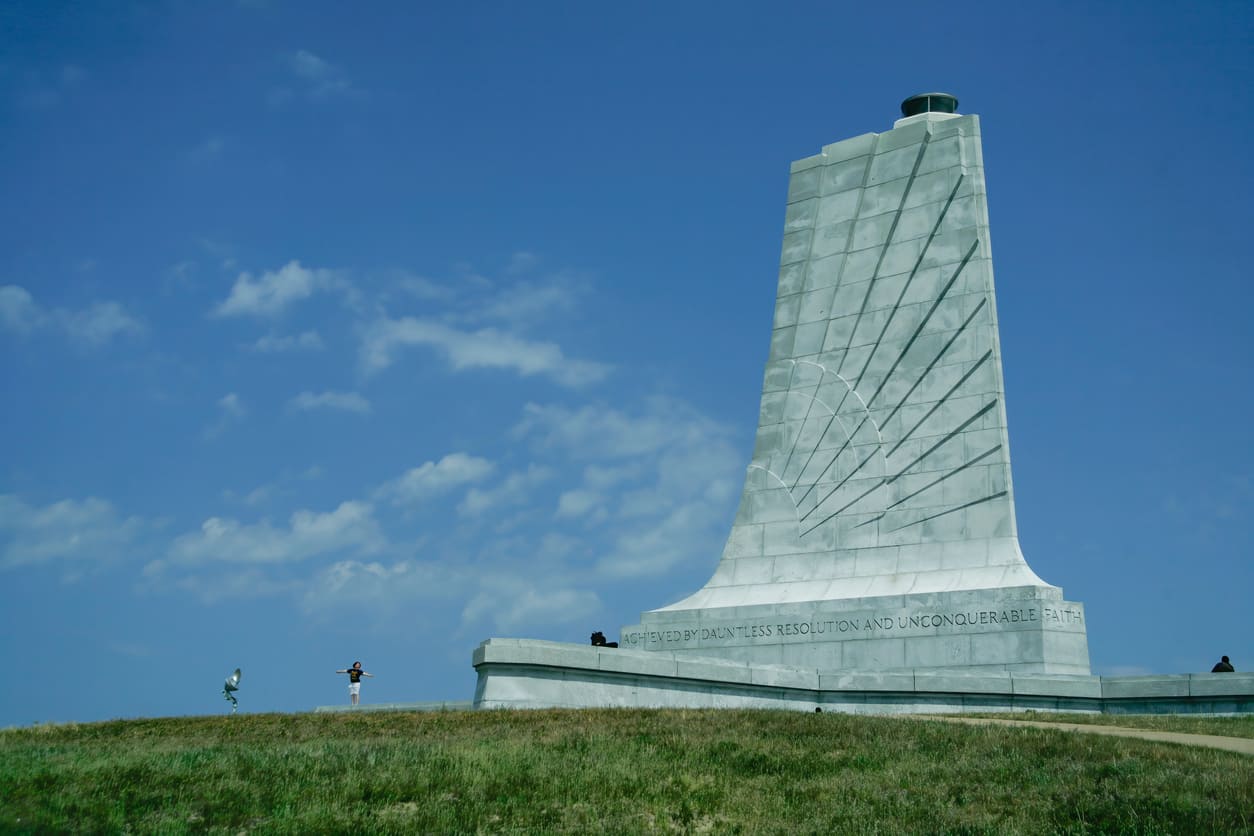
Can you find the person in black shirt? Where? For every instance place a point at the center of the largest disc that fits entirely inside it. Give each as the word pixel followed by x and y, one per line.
pixel 1223 666
pixel 355 673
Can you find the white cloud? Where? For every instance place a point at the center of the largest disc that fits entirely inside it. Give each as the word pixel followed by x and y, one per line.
pixel 304 341
pixel 433 479
pixel 602 477
pixel 486 348
pixel 320 78
pixel 599 431
pixel 666 498
pixel 275 290
pixel 94 325
pixel 511 602
pixel 231 410
pixel 515 490
pixel 88 530
pixel 99 323
pixel 526 303
pixel 18 311
pixel 522 262
pixel 350 527
pixel 259 495
pixel 353 584
pixel 232 406
pixel 242 583
pixel 282 486
pixel 423 288
pixel 307 65
pixel 685 534
pixel 346 401
pixel 578 503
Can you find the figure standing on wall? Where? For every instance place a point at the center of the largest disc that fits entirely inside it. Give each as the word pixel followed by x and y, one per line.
pixel 355 673
pixel 1223 666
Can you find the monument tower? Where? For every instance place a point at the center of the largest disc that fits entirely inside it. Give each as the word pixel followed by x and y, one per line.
pixel 874 563
pixel 876 529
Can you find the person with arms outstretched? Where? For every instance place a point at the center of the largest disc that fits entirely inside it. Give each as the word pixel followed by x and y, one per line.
pixel 355 673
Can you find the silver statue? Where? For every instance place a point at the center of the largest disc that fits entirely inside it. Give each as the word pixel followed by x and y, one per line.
pixel 228 689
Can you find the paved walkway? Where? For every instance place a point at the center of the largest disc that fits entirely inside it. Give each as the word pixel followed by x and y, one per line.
pixel 1244 745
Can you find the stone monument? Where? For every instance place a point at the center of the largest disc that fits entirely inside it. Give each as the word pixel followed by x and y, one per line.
pixel 876 530
pixel 874 563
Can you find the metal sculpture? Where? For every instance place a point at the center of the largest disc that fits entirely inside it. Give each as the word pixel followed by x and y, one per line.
pixel 230 687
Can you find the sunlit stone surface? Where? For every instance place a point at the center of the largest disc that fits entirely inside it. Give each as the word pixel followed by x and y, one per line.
pixel 874 562
pixel 876 530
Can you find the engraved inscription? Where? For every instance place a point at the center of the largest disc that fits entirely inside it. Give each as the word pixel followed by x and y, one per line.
pixel 862 626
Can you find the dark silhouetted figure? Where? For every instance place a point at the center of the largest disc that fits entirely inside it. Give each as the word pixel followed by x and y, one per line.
pixel 1223 666
pixel 598 640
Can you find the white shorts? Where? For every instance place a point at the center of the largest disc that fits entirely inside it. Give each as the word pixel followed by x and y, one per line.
pixel 354 688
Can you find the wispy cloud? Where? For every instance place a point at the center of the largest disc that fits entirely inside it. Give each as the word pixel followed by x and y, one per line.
pixel 602 431
pixel 487 348
pixel 528 303
pixel 99 323
pixel 350 584
pixel 579 503
pixel 231 410
pixel 420 287
pixel 286 484
pixel 208 149
pixel 18 311
pixel 349 528
pixel 662 485
pixel 511 601
pixel 238 583
pixel 432 479
pixel 275 343
pixel 515 489
pixel 274 291
pixel 94 326
pixel 344 401
pixel 87 531
pixel 522 262
pixel 313 77
pixel 684 533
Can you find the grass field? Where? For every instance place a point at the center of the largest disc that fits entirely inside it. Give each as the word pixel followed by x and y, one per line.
pixel 619 771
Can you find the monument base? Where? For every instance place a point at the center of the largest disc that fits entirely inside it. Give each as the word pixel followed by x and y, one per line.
pixel 1025 629
pixel 525 673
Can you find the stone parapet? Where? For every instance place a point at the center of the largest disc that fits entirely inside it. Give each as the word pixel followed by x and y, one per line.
pixel 527 673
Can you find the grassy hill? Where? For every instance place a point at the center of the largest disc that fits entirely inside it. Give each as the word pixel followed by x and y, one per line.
pixel 611 771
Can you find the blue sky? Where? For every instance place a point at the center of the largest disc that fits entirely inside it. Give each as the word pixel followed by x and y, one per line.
pixel 336 331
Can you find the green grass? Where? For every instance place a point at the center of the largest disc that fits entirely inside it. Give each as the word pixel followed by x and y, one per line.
pixel 1242 726
pixel 619 771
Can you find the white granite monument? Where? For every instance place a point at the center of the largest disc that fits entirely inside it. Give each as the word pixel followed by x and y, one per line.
pixel 876 530
pixel 874 563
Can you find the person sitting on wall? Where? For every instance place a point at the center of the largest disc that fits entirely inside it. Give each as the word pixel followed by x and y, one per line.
pixel 598 640
pixel 1223 666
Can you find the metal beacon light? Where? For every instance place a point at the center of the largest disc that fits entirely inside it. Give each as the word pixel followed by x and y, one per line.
pixel 230 687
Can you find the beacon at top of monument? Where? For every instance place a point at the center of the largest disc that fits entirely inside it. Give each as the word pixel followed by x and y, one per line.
pixel 930 103
pixel 881 463
pixel 928 106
